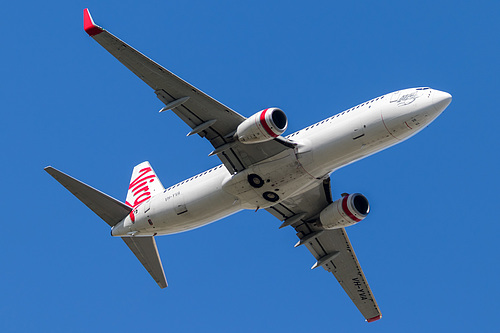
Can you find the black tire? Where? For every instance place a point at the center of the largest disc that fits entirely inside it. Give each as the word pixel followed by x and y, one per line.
pixel 255 180
pixel 271 196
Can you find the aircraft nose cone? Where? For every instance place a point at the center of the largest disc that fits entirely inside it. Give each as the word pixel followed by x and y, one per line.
pixel 441 100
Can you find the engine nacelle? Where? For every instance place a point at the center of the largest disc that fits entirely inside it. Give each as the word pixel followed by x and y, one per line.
pixel 344 212
pixel 262 126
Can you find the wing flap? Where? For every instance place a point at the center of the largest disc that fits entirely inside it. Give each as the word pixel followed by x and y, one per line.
pixel 146 251
pixel 107 208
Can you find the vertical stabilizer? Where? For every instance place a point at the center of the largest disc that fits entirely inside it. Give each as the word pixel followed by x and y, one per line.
pixel 143 185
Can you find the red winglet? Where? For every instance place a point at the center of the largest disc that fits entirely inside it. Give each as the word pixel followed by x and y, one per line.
pixel 88 24
pixel 374 318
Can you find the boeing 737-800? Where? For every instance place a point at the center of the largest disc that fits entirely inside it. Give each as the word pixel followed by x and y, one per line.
pixel 261 169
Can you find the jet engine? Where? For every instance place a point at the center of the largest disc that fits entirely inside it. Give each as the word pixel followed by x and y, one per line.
pixel 262 126
pixel 348 210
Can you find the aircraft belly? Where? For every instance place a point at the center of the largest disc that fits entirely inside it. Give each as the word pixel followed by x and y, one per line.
pixel 185 207
pixel 330 153
pixel 332 150
pixel 198 213
pixel 282 175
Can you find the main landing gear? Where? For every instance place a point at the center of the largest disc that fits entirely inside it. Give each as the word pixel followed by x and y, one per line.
pixel 271 196
pixel 257 182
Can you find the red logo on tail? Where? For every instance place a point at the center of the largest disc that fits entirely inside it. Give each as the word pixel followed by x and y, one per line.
pixel 139 188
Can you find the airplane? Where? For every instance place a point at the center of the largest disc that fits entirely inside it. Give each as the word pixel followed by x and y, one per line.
pixel 289 176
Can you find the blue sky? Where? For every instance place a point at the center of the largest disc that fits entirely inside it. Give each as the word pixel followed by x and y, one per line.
pixel 429 247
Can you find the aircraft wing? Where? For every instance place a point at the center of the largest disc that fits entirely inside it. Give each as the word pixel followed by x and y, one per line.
pixel 206 116
pixel 331 248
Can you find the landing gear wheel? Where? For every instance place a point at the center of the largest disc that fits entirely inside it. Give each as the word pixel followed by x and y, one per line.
pixel 271 196
pixel 255 180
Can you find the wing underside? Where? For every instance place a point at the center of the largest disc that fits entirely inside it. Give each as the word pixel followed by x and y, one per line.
pixel 206 116
pixel 331 248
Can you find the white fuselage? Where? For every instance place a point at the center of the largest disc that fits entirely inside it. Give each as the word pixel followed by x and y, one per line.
pixel 320 149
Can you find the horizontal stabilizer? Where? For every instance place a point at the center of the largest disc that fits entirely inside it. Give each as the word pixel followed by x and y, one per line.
pixel 107 208
pixel 145 250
